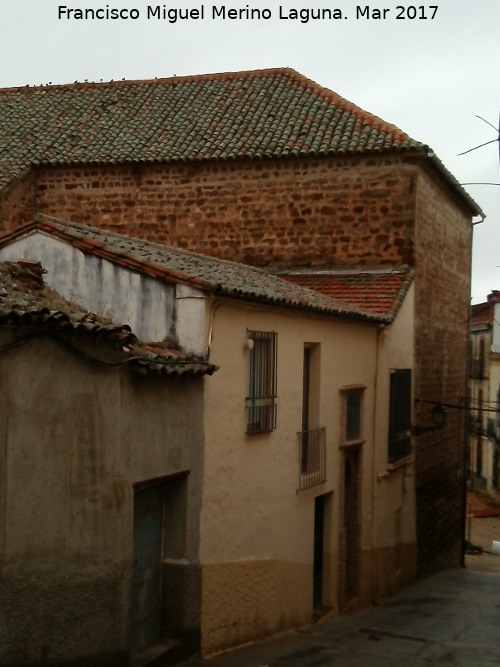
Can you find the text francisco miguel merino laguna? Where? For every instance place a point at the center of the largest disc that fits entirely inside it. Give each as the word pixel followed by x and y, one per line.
pixel 213 12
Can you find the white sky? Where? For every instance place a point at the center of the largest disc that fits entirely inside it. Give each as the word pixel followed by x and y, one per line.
pixel 429 77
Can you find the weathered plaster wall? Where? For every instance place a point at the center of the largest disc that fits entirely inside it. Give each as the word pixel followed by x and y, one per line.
pixel 75 440
pixel 154 310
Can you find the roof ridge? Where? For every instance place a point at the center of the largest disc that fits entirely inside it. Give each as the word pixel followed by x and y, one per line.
pixel 249 114
pixel 41 217
pixel 174 79
pixel 346 105
pixel 345 270
pixel 327 94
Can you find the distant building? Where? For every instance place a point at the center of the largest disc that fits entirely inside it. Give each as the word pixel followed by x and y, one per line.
pixel 484 420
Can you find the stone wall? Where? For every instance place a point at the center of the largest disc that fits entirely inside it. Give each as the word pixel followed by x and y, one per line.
pixel 17 203
pixel 268 213
pixel 442 288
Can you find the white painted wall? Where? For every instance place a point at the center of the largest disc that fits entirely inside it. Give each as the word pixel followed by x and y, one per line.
pixel 191 306
pixel 153 309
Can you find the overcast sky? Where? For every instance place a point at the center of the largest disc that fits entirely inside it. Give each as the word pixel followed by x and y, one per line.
pixel 429 76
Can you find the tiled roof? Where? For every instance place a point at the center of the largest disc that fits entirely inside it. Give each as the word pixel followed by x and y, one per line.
pixel 380 290
pixel 26 301
pixel 255 114
pixel 482 313
pixel 175 265
pixel 164 359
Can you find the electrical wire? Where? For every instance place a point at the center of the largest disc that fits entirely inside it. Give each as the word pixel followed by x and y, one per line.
pixel 99 362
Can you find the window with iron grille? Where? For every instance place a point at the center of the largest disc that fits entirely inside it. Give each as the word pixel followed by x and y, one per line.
pixel 261 398
pixel 400 415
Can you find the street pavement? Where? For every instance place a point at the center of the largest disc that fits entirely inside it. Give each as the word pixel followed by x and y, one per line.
pixel 452 618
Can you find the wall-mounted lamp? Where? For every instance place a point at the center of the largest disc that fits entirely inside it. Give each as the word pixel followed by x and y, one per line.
pixel 439 415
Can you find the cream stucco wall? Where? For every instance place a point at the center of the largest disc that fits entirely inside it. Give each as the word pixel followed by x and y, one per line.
pixel 256 530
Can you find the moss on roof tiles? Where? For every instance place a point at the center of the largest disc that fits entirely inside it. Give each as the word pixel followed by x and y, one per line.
pixel 266 113
pixel 26 301
pixel 209 274
pixel 272 113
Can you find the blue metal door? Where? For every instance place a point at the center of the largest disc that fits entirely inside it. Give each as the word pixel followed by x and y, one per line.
pixel 146 584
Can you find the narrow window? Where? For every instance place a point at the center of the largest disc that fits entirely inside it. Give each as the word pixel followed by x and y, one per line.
pixel 400 415
pixel 305 409
pixel 262 381
pixel 481 372
pixel 311 438
pixel 353 415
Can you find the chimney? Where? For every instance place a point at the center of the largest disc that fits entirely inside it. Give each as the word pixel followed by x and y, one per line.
pixel 494 297
pixel 31 268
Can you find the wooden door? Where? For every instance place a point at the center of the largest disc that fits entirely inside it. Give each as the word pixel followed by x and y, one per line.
pixel 146 583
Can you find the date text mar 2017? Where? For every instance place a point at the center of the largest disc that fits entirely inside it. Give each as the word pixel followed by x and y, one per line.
pixel 400 12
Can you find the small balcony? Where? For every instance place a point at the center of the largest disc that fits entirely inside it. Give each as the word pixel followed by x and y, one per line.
pixel 312 457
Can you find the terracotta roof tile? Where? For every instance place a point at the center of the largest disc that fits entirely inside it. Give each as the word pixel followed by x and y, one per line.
pixel 380 291
pixel 209 274
pixel 482 313
pixel 256 114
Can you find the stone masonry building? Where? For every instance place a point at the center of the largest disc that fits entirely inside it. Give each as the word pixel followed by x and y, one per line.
pixel 270 169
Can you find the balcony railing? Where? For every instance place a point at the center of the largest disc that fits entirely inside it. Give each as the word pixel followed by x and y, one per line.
pixel 312 457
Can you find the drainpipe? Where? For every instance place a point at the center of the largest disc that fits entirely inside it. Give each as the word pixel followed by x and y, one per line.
pixel 465 452
pixel 375 480
pixel 214 306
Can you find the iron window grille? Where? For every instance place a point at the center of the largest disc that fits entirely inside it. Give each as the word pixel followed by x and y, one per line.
pixel 260 402
pixel 312 457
